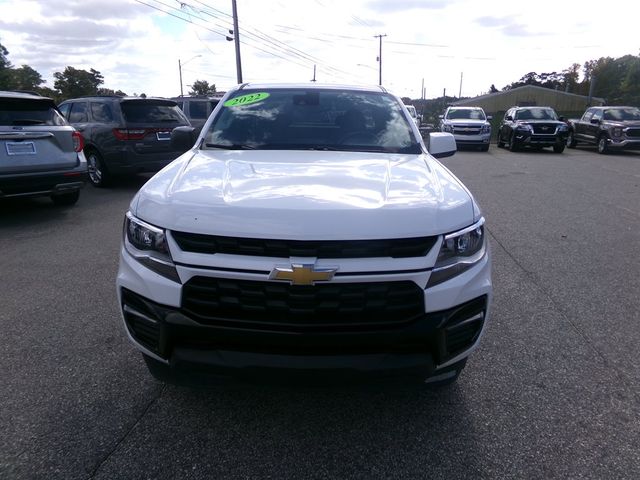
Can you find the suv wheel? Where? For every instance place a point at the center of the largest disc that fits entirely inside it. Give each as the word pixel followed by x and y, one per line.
pixel 500 142
pixel 558 148
pixel 571 140
pixel 603 146
pixel 98 174
pixel 513 143
pixel 66 199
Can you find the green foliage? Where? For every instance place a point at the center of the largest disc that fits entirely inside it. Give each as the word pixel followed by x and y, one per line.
pixel 77 83
pixel 26 78
pixel 202 87
pixel 109 91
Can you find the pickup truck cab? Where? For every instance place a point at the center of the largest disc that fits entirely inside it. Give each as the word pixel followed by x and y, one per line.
pixel 307 229
pixel 609 128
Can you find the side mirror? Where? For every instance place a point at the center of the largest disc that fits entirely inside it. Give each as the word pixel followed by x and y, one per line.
pixel 183 138
pixel 440 117
pixel 561 118
pixel 441 145
pixel 489 117
pixel 508 117
pixel 595 121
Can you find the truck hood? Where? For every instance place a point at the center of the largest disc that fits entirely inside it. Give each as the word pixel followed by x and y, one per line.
pixel 304 195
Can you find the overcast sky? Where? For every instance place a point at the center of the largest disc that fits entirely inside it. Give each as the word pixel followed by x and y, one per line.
pixel 136 44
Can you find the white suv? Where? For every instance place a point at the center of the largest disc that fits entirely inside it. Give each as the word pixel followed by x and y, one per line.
pixel 470 126
pixel 307 230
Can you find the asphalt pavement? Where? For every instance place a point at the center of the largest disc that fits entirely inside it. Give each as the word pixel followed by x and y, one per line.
pixel 553 391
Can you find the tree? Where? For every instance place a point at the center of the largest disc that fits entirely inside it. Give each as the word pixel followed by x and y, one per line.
pixel 109 91
pixel 26 78
pixel 77 83
pixel 202 87
pixel 5 69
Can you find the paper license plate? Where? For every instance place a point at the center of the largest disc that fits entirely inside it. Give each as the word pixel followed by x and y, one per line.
pixel 20 148
pixel 163 135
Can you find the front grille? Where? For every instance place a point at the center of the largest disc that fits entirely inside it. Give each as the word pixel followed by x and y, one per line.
pixel 395 248
pixel 544 129
pixel 282 307
pixel 467 130
pixel 633 132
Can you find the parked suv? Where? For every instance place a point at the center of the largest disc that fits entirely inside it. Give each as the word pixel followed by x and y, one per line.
pixel 469 125
pixel 536 127
pixel 124 135
pixel 309 229
pixel 197 109
pixel 40 153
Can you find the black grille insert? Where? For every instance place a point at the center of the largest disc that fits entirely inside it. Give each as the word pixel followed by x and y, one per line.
pixel 282 307
pixel 395 248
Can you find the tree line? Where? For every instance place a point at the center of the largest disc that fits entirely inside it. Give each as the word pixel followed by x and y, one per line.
pixel 70 83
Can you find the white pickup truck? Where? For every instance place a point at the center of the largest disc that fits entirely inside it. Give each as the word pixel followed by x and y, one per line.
pixel 308 229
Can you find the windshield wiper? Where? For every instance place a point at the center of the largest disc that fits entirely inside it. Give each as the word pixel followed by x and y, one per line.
pixel 233 146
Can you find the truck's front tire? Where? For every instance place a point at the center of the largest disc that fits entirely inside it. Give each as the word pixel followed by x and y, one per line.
pixel 571 140
pixel 603 144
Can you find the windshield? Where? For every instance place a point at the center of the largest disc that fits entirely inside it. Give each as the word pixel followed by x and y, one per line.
pixel 622 114
pixel 466 114
pixel 536 114
pixel 20 111
pixel 312 119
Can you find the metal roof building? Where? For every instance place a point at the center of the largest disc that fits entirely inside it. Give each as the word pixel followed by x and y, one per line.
pixel 531 95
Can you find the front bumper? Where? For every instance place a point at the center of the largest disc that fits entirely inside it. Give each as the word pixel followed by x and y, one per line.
pixel 476 140
pixel 623 144
pixel 526 138
pixel 455 315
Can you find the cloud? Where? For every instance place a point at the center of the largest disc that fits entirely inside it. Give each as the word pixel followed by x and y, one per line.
pixel 387 6
pixel 508 26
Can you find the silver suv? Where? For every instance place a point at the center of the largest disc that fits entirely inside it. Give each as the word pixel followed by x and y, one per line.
pixel 40 153
pixel 469 126
pixel 197 109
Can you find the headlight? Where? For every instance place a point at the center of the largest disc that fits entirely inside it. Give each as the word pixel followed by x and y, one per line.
pixel 486 128
pixel 148 245
pixel 459 251
pixel 563 128
pixel 616 132
pixel 525 127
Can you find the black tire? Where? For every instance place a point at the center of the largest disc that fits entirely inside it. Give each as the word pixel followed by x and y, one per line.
pixel 499 139
pixel 559 148
pixel 571 140
pixel 66 199
pixel 98 174
pixel 484 148
pixel 603 145
pixel 513 143
pixel 453 373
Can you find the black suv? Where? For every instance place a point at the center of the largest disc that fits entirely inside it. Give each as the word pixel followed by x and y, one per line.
pixel 40 153
pixel 536 127
pixel 124 135
pixel 197 109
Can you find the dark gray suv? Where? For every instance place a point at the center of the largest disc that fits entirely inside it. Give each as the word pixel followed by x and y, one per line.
pixel 40 153
pixel 124 135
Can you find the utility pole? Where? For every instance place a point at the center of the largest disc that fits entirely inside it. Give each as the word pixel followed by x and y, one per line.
pixel 236 38
pixel 380 58
pixel 314 74
pixel 180 70
pixel 460 91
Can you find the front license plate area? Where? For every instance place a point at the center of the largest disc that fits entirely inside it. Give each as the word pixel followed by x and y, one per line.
pixel 20 148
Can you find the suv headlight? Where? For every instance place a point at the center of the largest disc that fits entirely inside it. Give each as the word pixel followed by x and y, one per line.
pixel 148 245
pixel 525 127
pixel 563 128
pixel 459 251
pixel 616 132
pixel 486 128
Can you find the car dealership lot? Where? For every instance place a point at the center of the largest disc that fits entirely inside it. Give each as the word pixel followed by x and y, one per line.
pixel 552 391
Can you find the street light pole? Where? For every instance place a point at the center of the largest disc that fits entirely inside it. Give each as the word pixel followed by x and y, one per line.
pixel 180 71
pixel 380 58
pixel 236 38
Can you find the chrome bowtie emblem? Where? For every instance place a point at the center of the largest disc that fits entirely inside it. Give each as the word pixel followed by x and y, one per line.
pixel 302 274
